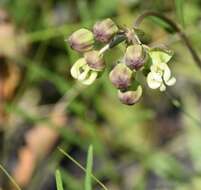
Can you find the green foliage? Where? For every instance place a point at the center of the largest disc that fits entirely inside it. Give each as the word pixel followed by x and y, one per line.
pixel 58 180
pixel 150 145
pixel 88 184
pixel 179 4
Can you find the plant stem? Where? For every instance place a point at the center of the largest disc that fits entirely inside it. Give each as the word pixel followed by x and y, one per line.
pixel 175 27
pixel 82 167
pixel 10 177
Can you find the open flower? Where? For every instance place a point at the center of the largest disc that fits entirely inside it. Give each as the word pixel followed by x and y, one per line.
pixel 160 74
pixel 130 97
pixel 159 77
pixel 82 72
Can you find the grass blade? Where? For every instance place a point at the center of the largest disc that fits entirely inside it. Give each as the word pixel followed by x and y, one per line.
pixel 162 24
pixel 10 177
pixel 89 168
pixel 81 167
pixel 58 180
pixel 179 4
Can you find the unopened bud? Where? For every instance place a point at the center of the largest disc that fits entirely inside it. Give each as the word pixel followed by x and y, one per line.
pixel 94 60
pixel 81 40
pixel 135 57
pixel 105 30
pixel 130 97
pixel 121 76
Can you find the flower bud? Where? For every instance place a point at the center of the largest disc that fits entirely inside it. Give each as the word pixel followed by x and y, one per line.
pixel 121 76
pixel 81 40
pixel 105 30
pixel 130 97
pixel 94 60
pixel 135 57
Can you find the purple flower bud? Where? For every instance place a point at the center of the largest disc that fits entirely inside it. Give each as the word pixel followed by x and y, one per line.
pixel 135 57
pixel 81 40
pixel 121 76
pixel 130 97
pixel 105 30
pixel 95 60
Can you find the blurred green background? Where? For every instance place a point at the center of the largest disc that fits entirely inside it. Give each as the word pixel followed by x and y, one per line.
pixel 152 145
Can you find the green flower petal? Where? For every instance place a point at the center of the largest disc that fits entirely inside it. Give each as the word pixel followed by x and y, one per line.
pixel 159 56
pixel 76 68
pixel 92 77
pixel 171 82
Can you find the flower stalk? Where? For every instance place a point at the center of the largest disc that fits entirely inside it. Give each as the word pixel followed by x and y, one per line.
pixel 175 27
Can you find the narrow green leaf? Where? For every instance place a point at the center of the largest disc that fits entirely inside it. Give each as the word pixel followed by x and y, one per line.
pixel 88 185
pixel 179 5
pixel 58 180
pixel 82 168
pixel 10 178
pixel 162 24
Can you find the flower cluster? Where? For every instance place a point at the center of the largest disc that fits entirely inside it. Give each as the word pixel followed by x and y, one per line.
pixel 137 59
pixel 86 69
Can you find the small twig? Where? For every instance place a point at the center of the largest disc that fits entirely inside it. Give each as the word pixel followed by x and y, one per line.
pixel 175 27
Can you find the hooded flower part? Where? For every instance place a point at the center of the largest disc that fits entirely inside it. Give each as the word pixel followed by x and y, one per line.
pixel 105 30
pixel 130 97
pixel 135 57
pixel 159 56
pixel 160 74
pixel 81 40
pixel 121 76
pixel 95 60
pixel 82 72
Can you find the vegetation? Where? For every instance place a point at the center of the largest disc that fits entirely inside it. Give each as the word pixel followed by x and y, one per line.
pixel 56 133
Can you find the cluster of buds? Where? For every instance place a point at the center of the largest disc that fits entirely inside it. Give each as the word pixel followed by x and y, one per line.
pixel 124 74
pixel 87 69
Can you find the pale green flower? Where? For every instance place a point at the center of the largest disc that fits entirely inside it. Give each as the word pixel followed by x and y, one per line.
pixel 160 74
pixel 82 72
pixel 160 56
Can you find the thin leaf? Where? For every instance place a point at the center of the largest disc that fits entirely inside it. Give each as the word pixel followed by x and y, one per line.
pixel 89 169
pixel 179 4
pixel 58 180
pixel 10 177
pixel 81 167
pixel 162 24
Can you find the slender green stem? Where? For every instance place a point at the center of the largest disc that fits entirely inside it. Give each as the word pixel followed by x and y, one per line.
pixel 10 177
pixel 82 168
pixel 175 27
